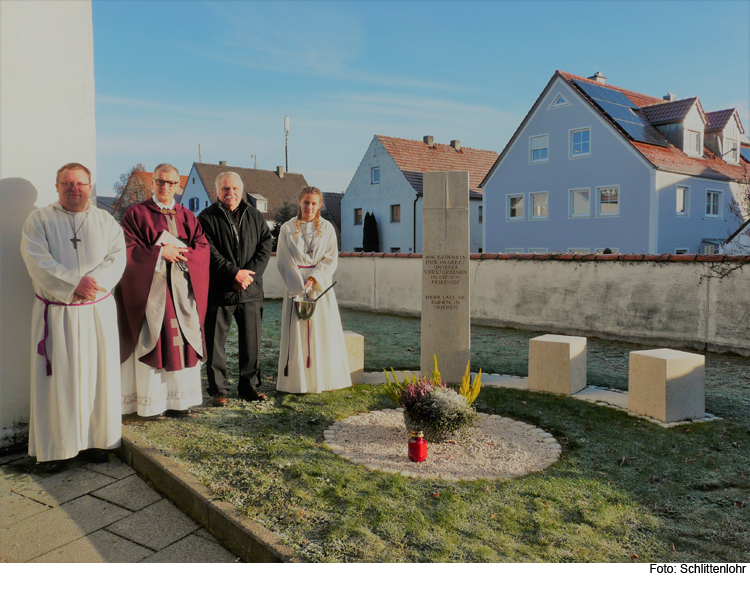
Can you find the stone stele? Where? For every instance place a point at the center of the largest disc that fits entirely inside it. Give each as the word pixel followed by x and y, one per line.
pixel 667 385
pixel 446 305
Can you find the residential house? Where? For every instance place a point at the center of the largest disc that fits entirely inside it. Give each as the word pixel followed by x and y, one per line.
pixel 332 202
pixel 594 166
pixel 264 189
pixel 388 183
pixel 107 204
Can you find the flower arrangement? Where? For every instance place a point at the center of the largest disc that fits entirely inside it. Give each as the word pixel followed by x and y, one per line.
pixel 431 406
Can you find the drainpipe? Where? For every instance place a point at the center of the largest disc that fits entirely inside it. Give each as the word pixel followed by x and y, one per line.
pixel 414 224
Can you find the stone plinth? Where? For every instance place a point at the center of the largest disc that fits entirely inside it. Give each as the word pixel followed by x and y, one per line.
pixel 446 306
pixel 355 351
pixel 557 363
pixel 667 385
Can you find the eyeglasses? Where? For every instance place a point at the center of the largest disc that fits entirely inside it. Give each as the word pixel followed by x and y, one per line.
pixel 76 185
pixel 162 182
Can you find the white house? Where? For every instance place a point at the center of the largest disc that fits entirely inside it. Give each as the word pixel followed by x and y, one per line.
pixel 388 183
pixel 593 166
pixel 265 189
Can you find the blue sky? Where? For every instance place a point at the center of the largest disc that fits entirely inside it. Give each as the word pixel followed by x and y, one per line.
pixel 173 74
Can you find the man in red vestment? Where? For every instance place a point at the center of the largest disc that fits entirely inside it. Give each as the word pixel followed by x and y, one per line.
pixel 161 303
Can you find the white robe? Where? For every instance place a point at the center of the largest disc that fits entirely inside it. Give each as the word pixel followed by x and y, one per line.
pixel 329 364
pixel 78 406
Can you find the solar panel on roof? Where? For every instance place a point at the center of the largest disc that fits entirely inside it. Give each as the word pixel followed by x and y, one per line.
pixel 624 113
pixel 745 153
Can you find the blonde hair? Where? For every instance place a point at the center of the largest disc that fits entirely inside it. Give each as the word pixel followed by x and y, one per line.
pixel 310 191
pixel 73 166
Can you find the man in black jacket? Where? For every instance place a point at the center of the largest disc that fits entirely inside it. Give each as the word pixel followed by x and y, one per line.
pixel 240 248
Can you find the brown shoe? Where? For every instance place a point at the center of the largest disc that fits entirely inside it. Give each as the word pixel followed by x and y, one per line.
pixel 176 414
pixel 219 400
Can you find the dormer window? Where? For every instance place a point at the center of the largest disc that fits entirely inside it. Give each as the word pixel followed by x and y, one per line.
pixel 693 143
pixel 730 151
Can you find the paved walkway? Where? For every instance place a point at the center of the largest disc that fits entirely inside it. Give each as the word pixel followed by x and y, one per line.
pixel 94 513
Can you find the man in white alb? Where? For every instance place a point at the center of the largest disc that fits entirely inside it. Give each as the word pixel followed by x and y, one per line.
pixel 75 255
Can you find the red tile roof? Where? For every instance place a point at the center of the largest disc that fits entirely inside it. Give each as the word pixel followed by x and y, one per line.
pixel 414 157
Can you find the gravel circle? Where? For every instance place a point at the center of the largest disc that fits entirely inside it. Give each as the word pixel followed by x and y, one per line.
pixel 500 448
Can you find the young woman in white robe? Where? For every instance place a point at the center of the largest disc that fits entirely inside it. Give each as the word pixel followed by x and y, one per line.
pixel 312 355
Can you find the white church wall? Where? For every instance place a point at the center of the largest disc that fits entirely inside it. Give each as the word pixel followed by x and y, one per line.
pixel 46 120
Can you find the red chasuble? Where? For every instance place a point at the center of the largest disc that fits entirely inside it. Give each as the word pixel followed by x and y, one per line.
pixel 143 225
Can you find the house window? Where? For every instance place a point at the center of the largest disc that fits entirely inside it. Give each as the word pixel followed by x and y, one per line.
pixel 578 250
pixel 515 207
pixel 693 142
pixel 730 151
pixel 710 249
pixel 538 250
pixel 538 206
pixel 481 214
pixel 395 249
pixel 514 251
pixel 193 204
pixel 375 175
pixel 713 204
pixel 539 145
pixel 681 250
pixel 683 201
pixel 608 201
pixel 580 203
pixel 358 216
pixel 193 180
pixel 395 213
pixel 559 101
pixel 580 143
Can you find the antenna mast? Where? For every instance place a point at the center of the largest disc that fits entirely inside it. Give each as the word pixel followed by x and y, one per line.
pixel 286 150
pixel 200 154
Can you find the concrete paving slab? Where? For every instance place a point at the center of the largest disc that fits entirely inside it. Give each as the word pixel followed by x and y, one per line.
pixel 11 458
pixel 193 548
pixel 503 381
pixel 43 532
pixel 100 546
pixel 64 486
pixel 204 533
pixel 613 397
pixel 131 492
pixel 156 527
pixel 114 468
pixel 17 507
pixel 11 478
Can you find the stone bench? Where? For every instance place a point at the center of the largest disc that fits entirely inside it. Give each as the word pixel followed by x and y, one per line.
pixel 557 363
pixel 667 385
pixel 355 350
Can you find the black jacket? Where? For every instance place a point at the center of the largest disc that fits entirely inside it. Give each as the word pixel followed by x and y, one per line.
pixel 230 252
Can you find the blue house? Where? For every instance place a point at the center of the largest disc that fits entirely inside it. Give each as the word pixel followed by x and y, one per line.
pixel 593 167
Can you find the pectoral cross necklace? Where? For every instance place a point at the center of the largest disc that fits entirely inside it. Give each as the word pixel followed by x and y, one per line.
pixel 308 247
pixel 75 240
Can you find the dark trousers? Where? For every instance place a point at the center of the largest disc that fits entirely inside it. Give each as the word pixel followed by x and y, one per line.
pixel 249 317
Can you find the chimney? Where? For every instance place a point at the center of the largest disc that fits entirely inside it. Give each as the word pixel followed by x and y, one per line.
pixel 671 97
pixel 456 145
pixel 222 162
pixel 430 141
pixel 598 77
pixel 280 171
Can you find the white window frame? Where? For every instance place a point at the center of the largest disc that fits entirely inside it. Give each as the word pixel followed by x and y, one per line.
pixel 599 213
pixel 571 203
pixel 531 149
pixel 532 206
pixel 571 135
pixel 375 172
pixel 575 250
pixel 733 157
pixel 719 204
pixel 395 249
pixel 508 207
pixel 539 250
pixel 714 249
pixel 682 250
pixel 692 148
pixel 686 201
pixel 557 103
pixel 514 251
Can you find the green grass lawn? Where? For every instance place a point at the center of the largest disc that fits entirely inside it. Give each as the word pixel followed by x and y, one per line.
pixel 624 489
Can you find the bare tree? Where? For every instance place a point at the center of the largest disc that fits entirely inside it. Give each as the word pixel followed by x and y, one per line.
pixel 737 242
pixel 132 188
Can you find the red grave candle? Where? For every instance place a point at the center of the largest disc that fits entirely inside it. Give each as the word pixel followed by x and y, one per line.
pixel 417 447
